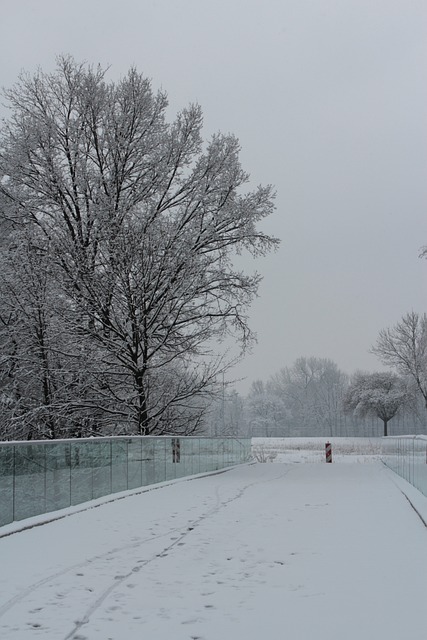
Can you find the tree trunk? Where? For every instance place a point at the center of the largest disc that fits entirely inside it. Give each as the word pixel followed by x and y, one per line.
pixel 142 408
pixel 385 427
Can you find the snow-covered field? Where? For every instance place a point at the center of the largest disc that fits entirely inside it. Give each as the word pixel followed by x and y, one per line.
pixel 300 551
pixel 361 450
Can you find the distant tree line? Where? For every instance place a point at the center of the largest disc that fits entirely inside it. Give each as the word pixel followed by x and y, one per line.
pixel 314 398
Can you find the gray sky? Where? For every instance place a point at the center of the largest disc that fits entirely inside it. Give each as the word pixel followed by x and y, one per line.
pixel 329 101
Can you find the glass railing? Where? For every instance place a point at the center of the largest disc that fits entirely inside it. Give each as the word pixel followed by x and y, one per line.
pixel 39 477
pixel 407 456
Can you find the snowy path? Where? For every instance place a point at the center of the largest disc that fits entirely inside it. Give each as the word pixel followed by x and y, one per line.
pixel 302 551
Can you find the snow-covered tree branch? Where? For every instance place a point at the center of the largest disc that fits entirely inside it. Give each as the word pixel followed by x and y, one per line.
pixel 136 221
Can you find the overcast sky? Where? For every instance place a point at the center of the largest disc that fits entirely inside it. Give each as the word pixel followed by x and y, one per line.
pixel 329 101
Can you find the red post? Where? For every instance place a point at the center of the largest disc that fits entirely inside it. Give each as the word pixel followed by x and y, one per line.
pixel 328 451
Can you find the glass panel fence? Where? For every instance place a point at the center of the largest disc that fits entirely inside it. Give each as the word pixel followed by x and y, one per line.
pixel 44 476
pixel 29 481
pixel 407 456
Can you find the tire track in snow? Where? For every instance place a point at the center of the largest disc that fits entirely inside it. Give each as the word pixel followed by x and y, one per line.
pixel 111 553
pixel 117 551
pixel 6 606
pixel 120 579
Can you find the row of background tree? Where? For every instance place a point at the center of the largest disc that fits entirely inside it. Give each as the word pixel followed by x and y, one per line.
pixel 314 398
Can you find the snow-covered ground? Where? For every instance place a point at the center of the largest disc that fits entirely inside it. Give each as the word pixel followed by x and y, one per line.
pixel 361 450
pixel 299 551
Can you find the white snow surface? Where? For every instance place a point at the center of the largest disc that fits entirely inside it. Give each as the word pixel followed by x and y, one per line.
pixel 310 551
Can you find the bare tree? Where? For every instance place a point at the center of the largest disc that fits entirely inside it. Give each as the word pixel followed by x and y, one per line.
pixel 44 372
pixel 266 410
pixel 404 347
pixel 225 416
pixel 378 394
pixel 312 391
pixel 138 220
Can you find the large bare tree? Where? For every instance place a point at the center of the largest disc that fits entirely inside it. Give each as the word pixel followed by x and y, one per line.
pixel 138 220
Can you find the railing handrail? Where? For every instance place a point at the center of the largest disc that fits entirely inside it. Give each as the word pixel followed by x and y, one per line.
pixel 407 437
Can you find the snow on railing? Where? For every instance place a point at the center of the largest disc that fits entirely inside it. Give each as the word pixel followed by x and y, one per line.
pixel 407 456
